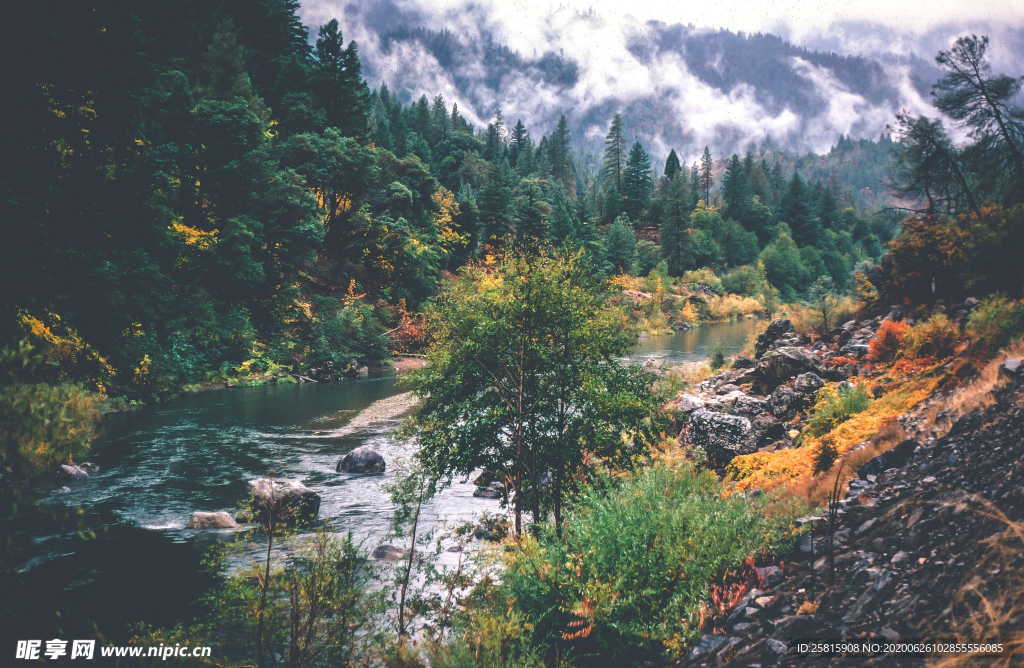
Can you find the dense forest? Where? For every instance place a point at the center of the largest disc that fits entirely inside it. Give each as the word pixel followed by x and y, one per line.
pixel 204 194
pixel 221 197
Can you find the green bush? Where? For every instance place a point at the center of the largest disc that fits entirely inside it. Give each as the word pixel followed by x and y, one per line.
pixel 43 425
pixel 345 330
pixel 628 579
pixel 835 406
pixel 704 276
pixel 996 321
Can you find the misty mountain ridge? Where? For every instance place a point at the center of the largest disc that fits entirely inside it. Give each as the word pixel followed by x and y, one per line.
pixel 677 86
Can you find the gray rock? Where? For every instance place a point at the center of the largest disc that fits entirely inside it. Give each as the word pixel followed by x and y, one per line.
pixel 361 460
pixel 721 436
pixel 215 520
pixel 687 403
pixel 706 646
pixel 781 364
pixel 767 429
pixel 771 334
pixel 67 472
pixel 1012 367
pixel 808 383
pixel 495 490
pixel 389 553
pixel 285 500
pixel 749 406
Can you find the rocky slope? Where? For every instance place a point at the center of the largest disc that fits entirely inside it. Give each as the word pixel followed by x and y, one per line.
pixel 925 547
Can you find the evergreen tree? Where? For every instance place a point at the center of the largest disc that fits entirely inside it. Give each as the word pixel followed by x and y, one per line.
pixel 614 159
pixel 798 212
pixel 338 83
pixel 620 245
pixel 560 156
pixel 636 183
pixel 672 166
pixel 705 176
pixel 736 191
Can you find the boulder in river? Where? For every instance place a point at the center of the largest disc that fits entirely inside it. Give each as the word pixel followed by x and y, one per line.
pixel 68 472
pixel 286 500
pixel 389 553
pixel 215 520
pixel 721 436
pixel 495 490
pixel 362 460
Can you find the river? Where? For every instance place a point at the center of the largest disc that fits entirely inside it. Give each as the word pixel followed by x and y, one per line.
pixel 137 561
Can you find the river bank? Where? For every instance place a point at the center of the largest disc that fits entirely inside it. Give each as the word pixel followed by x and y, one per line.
pixel 159 464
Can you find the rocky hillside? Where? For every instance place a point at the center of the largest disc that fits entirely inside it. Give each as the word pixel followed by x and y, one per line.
pixel 919 542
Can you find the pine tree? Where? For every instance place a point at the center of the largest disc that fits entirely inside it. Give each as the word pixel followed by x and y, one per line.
pixel 695 186
pixel 672 166
pixel 338 83
pixel 736 190
pixel 636 183
pixel 614 156
pixel 705 176
pixel 560 156
pixel 798 211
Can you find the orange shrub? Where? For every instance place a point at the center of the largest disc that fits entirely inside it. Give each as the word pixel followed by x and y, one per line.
pixel 887 341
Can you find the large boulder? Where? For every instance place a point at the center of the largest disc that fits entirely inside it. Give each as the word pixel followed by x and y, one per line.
pixel 781 364
pixel 216 520
pixel 720 435
pixel 361 460
pixel 283 500
pixel 770 335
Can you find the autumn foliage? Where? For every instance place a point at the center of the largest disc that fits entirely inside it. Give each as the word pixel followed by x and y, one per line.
pixel 887 341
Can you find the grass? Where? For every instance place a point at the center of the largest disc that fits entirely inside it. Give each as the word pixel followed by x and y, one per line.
pixel 630 580
pixel 836 405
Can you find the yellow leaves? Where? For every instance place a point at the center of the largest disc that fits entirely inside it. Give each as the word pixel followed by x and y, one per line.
pixel 351 296
pixel 194 237
pixel 64 347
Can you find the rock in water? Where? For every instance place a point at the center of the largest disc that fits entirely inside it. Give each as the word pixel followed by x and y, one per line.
pixel 493 491
pixel 216 520
pixel 68 472
pixel 361 460
pixel 721 436
pixel 287 500
pixel 389 553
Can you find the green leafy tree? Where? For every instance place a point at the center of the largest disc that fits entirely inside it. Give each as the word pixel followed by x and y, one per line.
pixel 524 380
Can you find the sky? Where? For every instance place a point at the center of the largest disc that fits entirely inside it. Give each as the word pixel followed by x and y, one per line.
pixel 597 35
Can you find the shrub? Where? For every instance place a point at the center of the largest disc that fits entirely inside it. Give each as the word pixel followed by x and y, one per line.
pixel 748 280
pixel 704 276
pixel 836 405
pixel 42 425
pixel 996 321
pixel 629 578
pixel 935 337
pixel 887 340
pixel 732 307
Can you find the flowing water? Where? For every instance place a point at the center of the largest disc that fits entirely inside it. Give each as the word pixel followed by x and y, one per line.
pixel 139 562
